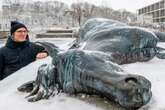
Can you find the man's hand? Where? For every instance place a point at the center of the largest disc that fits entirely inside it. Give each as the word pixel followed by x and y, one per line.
pixel 41 55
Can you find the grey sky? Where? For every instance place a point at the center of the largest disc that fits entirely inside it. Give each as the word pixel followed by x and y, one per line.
pixel 130 5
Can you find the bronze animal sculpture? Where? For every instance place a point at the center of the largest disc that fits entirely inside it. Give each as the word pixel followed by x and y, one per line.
pixel 125 44
pixel 89 66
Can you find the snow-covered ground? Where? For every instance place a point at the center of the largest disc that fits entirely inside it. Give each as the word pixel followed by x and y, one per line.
pixel 11 99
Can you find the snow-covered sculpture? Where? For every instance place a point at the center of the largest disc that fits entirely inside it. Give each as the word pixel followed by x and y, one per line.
pixel 125 44
pixel 91 64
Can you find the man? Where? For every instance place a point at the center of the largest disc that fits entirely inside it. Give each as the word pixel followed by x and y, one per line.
pixel 18 51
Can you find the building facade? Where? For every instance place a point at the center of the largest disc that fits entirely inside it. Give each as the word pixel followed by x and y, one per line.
pixel 155 10
pixel 4 23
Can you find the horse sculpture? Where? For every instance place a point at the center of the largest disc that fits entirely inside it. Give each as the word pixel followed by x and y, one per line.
pixel 91 64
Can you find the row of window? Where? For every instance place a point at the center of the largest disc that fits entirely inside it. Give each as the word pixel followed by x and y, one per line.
pixel 159 20
pixel 156 6
pixel 159 13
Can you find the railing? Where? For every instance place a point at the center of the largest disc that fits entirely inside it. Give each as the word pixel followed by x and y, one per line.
pixel 4 34
pixel 56 33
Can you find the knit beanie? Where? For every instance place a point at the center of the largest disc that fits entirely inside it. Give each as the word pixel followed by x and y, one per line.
pixel 16 25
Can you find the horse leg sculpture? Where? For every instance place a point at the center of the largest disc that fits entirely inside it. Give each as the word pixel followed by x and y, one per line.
pixel 44 85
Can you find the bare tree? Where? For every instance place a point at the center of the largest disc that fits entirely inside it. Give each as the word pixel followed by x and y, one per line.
pixel 77 12
pixel 88 10
pixel 52 13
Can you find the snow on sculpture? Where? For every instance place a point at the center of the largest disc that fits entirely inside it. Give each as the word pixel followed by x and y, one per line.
pixel 91 64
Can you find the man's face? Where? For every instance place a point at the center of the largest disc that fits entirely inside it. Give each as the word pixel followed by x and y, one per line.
pixel 20 35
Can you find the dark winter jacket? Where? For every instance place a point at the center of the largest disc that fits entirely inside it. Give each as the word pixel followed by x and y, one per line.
pixel 14 56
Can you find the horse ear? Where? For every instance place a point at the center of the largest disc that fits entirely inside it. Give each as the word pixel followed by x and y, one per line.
pixel 50 48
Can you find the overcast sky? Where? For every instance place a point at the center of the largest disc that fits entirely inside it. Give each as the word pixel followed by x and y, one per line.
pixel 130 5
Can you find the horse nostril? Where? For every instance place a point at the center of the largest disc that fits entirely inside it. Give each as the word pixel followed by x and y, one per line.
pixel 131 79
